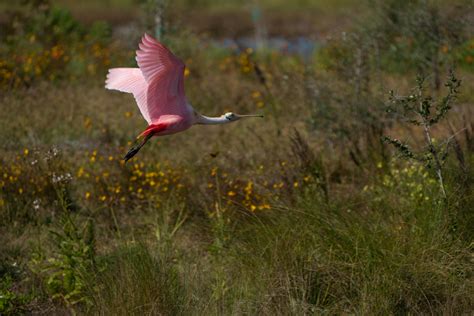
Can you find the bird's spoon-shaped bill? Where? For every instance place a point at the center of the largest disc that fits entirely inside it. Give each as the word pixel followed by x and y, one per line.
pixel 249 115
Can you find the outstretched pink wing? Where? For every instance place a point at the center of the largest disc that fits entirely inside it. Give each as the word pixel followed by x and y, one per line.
pixel 130 80
pixel 164 74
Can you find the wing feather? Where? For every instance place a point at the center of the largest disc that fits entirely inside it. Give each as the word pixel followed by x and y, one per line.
pixel 158 83
pixel 130 80
pixel 164 73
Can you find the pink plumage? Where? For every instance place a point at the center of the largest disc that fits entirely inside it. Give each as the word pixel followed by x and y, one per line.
pixel 130 80
pixel 157 85
pixel 158 88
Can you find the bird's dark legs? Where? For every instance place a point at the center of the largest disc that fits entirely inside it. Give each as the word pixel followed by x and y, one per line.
pixel 136 148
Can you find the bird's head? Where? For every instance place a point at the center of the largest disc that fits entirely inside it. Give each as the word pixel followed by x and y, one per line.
pixel 235 117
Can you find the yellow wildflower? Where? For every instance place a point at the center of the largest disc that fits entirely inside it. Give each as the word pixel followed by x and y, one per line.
pixel 87 122
pixel 256 94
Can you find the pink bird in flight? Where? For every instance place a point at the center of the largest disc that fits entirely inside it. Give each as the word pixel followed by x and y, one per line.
pixel 158 88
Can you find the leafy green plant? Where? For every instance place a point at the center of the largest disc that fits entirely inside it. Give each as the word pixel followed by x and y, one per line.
pixel 65 272
pixel 11 303
pixel 422 110
pixel 45 42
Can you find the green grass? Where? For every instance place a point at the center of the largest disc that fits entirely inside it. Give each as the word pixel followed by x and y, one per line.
pixel 378 250
pixel 303 212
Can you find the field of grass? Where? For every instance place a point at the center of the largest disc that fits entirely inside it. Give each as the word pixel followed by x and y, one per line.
pixel 306 211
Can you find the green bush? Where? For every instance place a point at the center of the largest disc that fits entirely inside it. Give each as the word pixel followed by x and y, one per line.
pixel 44 42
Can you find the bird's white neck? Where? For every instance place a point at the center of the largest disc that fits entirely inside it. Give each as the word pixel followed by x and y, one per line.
pixel 206 120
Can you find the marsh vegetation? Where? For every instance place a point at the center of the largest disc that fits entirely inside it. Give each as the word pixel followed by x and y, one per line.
pixel 333 204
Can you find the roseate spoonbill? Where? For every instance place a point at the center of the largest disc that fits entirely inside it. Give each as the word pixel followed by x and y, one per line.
pixel 158 88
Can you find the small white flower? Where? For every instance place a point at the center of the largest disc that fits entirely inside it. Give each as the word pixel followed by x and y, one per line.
pixel 36 204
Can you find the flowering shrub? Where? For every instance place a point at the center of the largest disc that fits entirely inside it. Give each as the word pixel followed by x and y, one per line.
pixel 36 181
pixel 409 182
pixel 46 43
pixel 30 184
